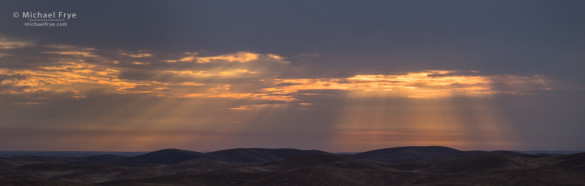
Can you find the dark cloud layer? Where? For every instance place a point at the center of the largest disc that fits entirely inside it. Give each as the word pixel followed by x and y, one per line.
pixel 493 36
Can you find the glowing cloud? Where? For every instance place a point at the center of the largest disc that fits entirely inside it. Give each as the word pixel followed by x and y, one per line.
pixel 425 84
pixel 259 106
pixel 73 73
pixel 5 43
pixel 76 77
pixel 249 86
pixel 136 55
pixel 241 57
pixel 208 74
pixel 238 57
pixel 69 50
pixel 139 63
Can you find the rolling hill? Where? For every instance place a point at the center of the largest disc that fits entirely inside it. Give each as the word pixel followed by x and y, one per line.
pixel 259 155
pixel 432 165
pixel 165 156
pixel 400 154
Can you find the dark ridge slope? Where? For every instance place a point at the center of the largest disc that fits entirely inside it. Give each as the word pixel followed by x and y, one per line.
pixel 329 160
pixel 574 162
pixel 399 154
pixel 485 162
pixel 259 155
pixel 166 156
pixel 99 159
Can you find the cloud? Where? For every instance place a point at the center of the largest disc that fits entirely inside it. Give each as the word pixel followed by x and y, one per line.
pixel 137 54
pixel 82 78
pixel 76 77
pixel 238 57
pixel 208 74
pixel 69 50
pixel 82 71
pixel 3 54
pixel 425 84
pixel 260 106
pixel 7 44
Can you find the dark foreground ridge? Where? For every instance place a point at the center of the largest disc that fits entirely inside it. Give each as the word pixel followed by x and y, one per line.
pixel 433 165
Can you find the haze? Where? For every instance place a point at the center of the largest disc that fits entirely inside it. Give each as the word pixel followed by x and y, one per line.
pixel 340 76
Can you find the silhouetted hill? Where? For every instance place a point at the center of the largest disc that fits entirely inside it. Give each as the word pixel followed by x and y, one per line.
pixel 327 169
pixel 200 164
pixel 34 158
pixel 403 166
pixel 326 175
pixel 550 152
pixel 20 182
pixel 399 154
pixel 66 154
pixel 4 163
pixel 259 155
pixel 570 162
pixel 166 156
pixel 329 160
pixel 484 162
pixel 100 159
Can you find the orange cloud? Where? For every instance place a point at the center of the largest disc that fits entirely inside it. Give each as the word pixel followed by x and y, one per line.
pixel 76 77
pixel 425 84
pixel 238 57
pixel 214 73
pixel 79 77
pixel 137 55
pixel 69 50
pixel 140 63
pixel 73 74
pixel 259 106
pixel 73 53
pixel 241 57
pixel 185 59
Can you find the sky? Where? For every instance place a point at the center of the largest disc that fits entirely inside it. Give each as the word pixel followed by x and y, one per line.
pixel 340 76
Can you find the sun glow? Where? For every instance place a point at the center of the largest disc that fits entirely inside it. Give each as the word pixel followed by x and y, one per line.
pixel 74 77
pixel 426 84
pixel 366 123
pixel 234 91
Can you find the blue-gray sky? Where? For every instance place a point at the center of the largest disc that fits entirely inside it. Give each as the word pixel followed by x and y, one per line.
pixel 330 75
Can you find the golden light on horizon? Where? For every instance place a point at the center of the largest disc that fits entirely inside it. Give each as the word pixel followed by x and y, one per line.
pixel 465 123
pixel 345 76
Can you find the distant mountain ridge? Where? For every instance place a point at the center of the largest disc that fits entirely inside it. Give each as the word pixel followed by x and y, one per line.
pixel 415 165
pixel 571 162
pixel 165 156
pixel 259 155
pixel 66 154
pixel 264 155
pixel 485 162
pixel 239 155
pixel 410 153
